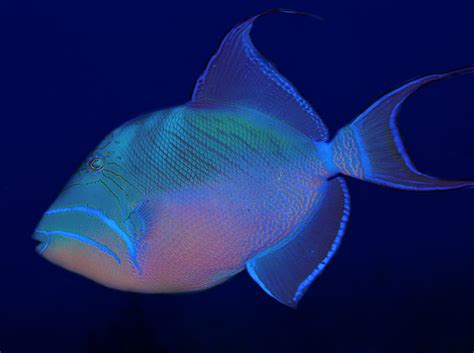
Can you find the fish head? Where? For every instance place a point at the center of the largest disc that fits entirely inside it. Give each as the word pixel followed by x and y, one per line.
pixel 90 228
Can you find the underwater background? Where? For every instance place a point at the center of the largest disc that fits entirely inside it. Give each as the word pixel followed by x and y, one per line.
pixel 403 278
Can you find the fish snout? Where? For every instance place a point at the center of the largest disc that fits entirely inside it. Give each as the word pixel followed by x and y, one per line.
pixel 73 230
pixel 43 240
pixel 88 241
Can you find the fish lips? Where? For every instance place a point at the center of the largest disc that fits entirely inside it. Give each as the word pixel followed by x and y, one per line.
pixel 43 240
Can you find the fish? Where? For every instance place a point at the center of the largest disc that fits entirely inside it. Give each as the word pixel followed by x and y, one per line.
pixel 243 176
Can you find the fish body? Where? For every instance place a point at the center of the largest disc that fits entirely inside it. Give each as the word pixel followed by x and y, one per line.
pixel 242 176
pixel 227 183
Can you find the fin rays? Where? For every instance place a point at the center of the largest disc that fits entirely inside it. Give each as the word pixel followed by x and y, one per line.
pixel 286 272
pixel 239 75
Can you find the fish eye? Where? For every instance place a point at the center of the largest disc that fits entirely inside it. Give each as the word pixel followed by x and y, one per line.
pixel 96 164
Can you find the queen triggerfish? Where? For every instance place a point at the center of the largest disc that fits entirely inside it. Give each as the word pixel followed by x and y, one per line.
pixel 243 176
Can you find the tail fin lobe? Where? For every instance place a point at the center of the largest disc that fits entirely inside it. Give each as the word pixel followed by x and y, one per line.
pixel 370 148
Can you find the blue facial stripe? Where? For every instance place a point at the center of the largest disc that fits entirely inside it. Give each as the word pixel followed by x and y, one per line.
pixel 81 239
pixel 107 221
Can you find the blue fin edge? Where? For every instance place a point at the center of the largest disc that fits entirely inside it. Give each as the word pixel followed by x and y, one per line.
pixel 342 227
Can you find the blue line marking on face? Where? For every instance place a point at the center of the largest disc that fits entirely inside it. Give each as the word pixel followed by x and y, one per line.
pixel 107 221
pixel 81 239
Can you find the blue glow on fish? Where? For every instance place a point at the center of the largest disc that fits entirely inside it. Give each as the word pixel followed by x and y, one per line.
pixel 242 176
pixel 337 241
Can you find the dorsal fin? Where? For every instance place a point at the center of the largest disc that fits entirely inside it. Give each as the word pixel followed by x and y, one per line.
pixel 239 74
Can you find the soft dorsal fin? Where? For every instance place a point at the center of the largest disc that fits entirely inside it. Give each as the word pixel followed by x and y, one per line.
pixel 239 74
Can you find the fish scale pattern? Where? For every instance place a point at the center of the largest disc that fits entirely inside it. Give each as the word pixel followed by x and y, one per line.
pixel 189 146
pixel 235 180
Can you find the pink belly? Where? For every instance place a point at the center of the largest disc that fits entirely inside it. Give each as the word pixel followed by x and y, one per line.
pixel 197 241
pixel 203 236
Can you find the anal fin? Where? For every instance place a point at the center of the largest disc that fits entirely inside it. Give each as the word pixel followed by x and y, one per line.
pixel 286 272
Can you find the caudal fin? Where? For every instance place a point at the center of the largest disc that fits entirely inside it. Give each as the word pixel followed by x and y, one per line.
pixel 370 148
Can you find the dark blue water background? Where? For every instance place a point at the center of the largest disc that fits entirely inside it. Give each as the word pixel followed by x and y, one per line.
pixel 403 279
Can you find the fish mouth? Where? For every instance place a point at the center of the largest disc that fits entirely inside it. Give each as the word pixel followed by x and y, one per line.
pixel 43 239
